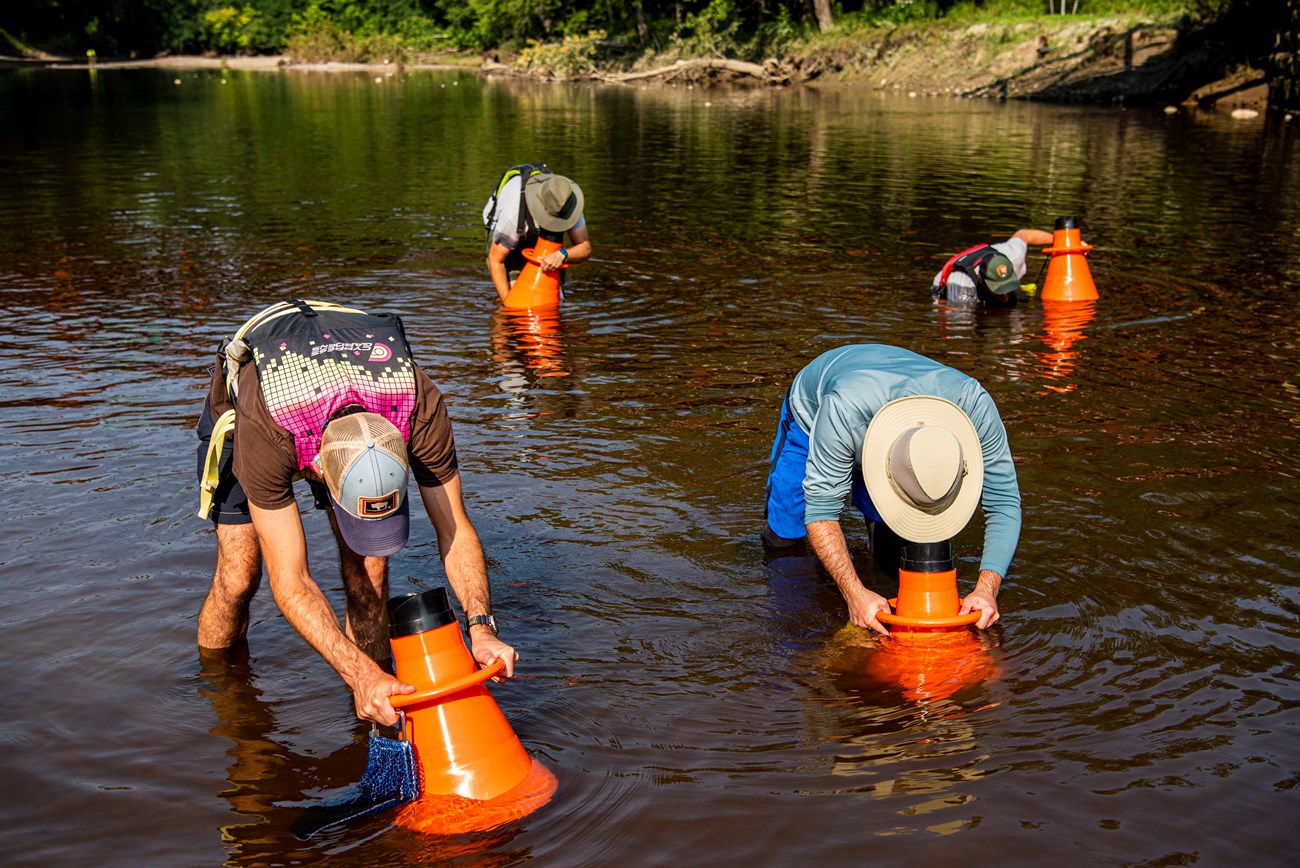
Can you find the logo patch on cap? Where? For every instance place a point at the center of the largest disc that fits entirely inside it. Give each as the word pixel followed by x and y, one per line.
pixel 378 507
pixel 1001 270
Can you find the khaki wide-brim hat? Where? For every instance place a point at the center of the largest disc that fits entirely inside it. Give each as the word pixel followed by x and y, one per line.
pixel 554 202
pixel 924 467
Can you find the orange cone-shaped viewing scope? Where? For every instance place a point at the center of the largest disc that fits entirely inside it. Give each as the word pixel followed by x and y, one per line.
pixel 927 590
pixel 535 287
pixel 463 744
pixel 1068 277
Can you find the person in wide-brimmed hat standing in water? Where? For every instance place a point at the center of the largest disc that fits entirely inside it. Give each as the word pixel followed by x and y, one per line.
pixel 915 443
pixel 531 202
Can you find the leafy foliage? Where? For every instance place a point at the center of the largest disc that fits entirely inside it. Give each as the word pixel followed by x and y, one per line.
pixel 367 29
pixel 229 29
pixel 570 57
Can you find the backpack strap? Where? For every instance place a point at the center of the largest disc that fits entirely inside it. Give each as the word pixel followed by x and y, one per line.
pixel 225 424
pixel 525 219
pixel 968 263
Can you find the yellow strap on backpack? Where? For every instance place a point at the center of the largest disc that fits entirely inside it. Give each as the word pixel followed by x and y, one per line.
pixel 212 462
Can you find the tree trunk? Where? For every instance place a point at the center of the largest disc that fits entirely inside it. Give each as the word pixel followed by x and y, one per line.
pixel 642 29
pixel 544 17
pixel 824 20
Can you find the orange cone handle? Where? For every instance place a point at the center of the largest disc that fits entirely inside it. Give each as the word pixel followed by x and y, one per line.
pixel 1068 277
pixel 534 287
pixel 463 744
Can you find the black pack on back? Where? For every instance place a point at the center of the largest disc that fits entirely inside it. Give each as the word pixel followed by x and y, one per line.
pixel 524 173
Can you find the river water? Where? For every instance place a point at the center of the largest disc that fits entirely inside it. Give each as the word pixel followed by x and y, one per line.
pixel 700 703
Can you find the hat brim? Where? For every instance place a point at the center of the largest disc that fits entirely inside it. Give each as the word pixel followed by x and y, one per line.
pixel 543 218
pixel 374 537
pixel 903 518
pixel 1002 287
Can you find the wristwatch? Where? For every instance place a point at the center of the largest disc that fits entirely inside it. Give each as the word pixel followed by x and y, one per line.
pixel 486 620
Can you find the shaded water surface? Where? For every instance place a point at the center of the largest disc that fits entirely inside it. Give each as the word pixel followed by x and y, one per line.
pixel 699 703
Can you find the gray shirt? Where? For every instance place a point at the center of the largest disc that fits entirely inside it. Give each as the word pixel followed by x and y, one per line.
pixel 833 400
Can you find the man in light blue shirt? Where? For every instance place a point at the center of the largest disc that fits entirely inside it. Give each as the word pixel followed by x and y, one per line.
pixel 916 445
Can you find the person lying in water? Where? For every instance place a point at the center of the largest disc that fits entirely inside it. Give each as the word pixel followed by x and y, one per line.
pixel 988 274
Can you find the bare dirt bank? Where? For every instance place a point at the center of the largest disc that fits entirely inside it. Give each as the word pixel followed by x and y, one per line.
pixel 1108 61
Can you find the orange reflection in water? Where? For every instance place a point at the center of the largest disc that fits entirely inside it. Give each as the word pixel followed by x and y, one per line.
pixel 1065 323
pixel 533 339
pixel 931 665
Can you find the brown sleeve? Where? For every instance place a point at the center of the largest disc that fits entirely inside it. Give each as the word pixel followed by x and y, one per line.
pixel 432 447
pixel 265 462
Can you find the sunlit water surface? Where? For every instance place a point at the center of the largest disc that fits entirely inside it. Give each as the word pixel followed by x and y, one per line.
pixel 700 704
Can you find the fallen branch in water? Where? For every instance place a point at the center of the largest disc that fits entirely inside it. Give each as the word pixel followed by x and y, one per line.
pixel 770 72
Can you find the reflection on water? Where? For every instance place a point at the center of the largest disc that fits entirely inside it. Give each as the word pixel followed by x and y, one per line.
pixel 263 773
pixel 528 345
pixel 1065 323
pixel 695 700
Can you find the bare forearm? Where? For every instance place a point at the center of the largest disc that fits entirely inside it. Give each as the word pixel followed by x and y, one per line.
pixel 284 549
pixel 579 253
pixel 466 570
pixel 500 279
pixel 827 540
pixel 988 583
pixel 458 545
pixel 1033 237
pixel 306 608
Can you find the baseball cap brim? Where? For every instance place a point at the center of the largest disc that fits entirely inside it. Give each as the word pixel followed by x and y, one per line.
pixel 375 537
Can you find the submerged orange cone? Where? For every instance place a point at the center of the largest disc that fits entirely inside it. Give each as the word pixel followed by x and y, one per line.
pixel 1068 277
pixel 932 666
pixel 535 287
pixel 474 772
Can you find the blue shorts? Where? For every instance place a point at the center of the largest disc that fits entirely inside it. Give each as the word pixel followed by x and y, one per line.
pixel 229 503
pixel 785 501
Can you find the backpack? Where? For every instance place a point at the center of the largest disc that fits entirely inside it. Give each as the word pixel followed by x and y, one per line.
pixel 969 262
pixel 234 354
pixel 525 173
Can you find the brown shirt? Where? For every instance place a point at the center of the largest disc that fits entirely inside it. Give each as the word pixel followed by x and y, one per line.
pixel 265 461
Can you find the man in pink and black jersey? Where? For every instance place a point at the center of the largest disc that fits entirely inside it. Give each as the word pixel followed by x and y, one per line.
pixel 331 395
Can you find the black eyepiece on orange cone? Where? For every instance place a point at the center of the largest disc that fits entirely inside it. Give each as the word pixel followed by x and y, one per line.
pixel 415 612
pixel 931 557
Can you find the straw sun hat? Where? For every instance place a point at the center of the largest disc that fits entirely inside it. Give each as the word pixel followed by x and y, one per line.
pixel 923 466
